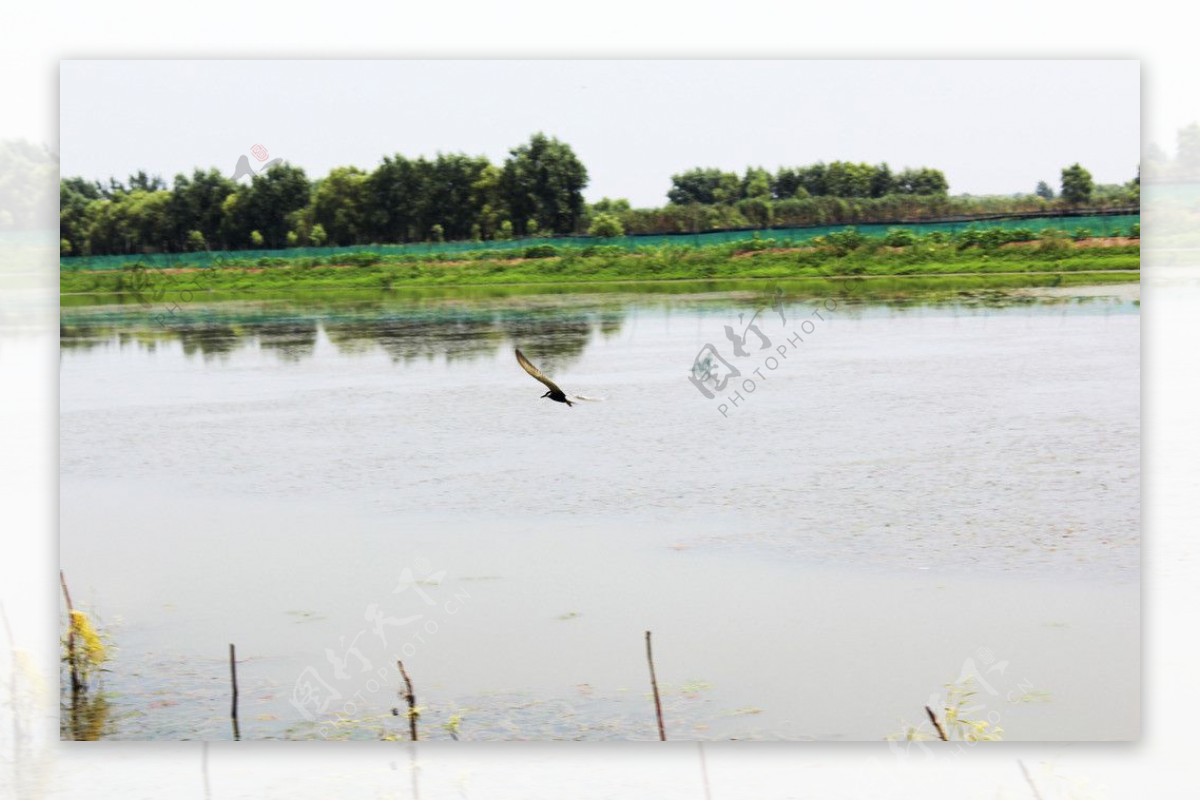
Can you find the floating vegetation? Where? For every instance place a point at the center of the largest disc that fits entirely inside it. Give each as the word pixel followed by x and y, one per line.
pixel 955 724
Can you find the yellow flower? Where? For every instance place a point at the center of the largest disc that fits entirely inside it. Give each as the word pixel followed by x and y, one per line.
pixel 94 652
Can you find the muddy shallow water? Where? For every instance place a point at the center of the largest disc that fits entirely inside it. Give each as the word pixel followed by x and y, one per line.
pixel 912 495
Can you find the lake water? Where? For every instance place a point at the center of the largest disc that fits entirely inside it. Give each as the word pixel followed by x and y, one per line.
pixel 908 494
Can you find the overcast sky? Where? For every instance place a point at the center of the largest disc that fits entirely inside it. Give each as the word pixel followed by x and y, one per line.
pixel 991 126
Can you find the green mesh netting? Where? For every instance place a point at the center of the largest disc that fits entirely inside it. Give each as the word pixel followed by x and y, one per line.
pixel 1099 225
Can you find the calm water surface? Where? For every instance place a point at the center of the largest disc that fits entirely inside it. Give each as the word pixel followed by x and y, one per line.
pixel 914 493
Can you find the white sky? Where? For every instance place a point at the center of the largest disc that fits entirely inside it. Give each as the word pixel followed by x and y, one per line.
pixel 991 126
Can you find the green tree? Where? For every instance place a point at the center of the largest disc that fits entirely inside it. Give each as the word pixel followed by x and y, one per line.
pixel 235 232
pixel 883 182
pixel 785 183
pixel 606 225
pixel 485 197
pixel 1077 186
pixel 617 206
pixel 693 186
pixel 922 181
pixel 705 185
pixel 317 235
pixel 394 191
pixel 457 188
pixel 844 179
pixel 1044 191
pixel 339 205
pixel 271 199
pixel 544 180
pixel 74 197
pixel 256 239
pixel 812 179
pixel 757 210
pixel 195 241
pixel 756 183
pixel 196 205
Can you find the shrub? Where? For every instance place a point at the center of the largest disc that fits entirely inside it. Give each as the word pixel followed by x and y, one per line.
pixel 1053 242
pixel 540 252
pixel 606 225
pixel 970 237
pixel 994 238
pixel 845 240
pixel 360 259
pixel 899 238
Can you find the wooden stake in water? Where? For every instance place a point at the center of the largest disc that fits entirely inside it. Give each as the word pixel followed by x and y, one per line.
pixel 233 712
pixel 411 700
pixel 662 732
pixel 72 656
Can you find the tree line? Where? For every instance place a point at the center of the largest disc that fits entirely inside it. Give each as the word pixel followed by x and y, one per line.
pixel 539 187
pixel 537 190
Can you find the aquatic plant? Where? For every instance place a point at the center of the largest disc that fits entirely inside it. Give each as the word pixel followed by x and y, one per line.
pixel 955 723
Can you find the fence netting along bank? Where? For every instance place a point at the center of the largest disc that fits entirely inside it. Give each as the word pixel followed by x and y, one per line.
pixel 1096 225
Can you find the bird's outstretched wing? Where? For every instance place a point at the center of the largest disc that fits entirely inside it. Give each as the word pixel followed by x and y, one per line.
pixel 536 373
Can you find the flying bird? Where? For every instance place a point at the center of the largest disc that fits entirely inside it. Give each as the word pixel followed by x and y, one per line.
pixel 552 390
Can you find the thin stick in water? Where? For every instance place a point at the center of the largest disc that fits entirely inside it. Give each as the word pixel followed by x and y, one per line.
pixel 1029 780
pixel 72 657
pixel 18 739
pixel 233 711
pixel 204 768
pixel 941 732
pixel 411 699
pixel 662 732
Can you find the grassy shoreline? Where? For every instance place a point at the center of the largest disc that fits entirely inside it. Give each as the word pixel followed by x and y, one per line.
pixel 1053 260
